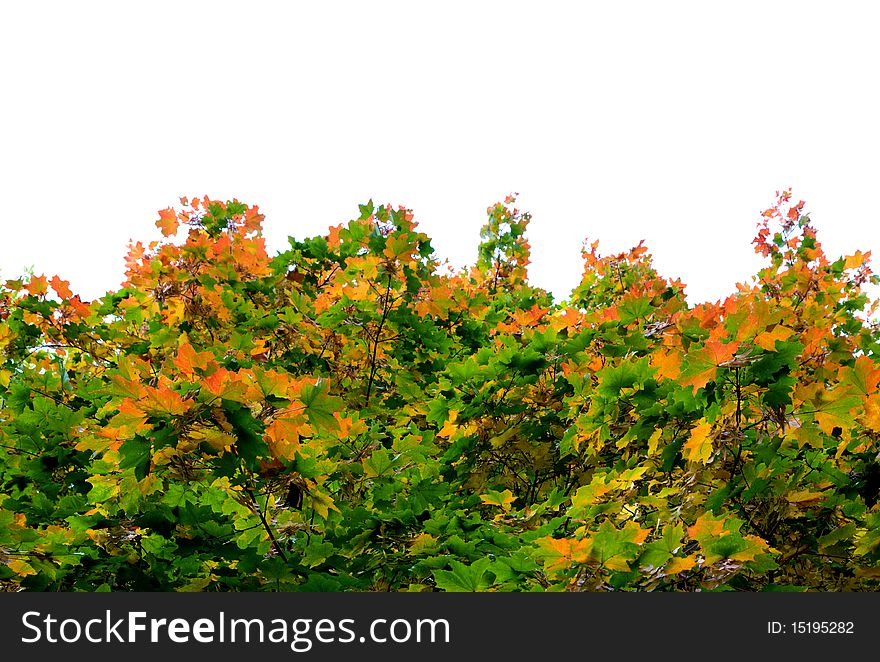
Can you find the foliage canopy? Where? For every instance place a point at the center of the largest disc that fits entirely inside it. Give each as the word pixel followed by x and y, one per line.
pixel 351 416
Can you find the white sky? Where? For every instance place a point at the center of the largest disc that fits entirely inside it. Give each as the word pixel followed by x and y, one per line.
pixel 673 122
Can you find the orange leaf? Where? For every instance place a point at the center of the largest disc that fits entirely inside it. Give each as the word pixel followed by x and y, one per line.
pixel 253 219
pixel 21 567
pixel 129 420
pixel 188 359
pixel 872 413
pixel 80 309
pixel 561 553
pixel 283 436
pixel 706 527
pixel 38 285
pixel 167 222
pixel 667 364
pixel 717 352
pixel 224 384
pixel 62 287
pixel 864 377
pixel 702 365
pixel 163 400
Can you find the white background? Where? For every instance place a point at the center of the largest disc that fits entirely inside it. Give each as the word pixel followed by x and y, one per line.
pixel 673 122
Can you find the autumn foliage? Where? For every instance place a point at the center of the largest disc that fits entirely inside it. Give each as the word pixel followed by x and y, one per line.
pixel 351 415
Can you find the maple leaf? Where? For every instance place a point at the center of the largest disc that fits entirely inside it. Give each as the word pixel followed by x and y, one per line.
pixel 129 421
pixel 698 447
pixel 283 435
pixel 167 222
pixel 274 383
pixel 37 285
pixel 424 543
pixel 702 366
pixel 253 220
pixel 869 537
pixel 218 440
pixel 830 409
pixel 856 260
pixel 872 412
pixel 767 339
pixel 678 565
pixel 130 388
pixel 224 384
pixel 737 548
pixel 864 377
pixel 706 528
pixel 804 498
pixel 61 287
pixel 560 554
pixel 503 499
pixel 164 401
pixel 188 360
pixel 463 578
pixel 21 567
pixel 174 312
pixel 80 309
pixel 322 502
pixel 667 364
pixel 614 548
pixel 399 246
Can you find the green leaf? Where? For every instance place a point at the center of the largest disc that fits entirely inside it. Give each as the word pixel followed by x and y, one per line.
pixel 378 464
pixel 319 406
pixel 136 455
pixel 463 578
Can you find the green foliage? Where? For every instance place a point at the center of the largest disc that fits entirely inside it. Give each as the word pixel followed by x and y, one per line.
pixel 346 416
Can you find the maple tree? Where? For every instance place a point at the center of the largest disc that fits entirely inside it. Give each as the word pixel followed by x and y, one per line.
pixel 352 415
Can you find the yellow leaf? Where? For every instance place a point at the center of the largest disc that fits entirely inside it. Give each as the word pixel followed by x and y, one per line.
pixel 698 447
pixel 706 527
pixel 868 573
pixel 872 413
pixel 174 312
pixel 502 499
pixel 449 427
pixel 322 503
pixel 216 439
pixel 767 340
pixel 856 260
pixel 678 565
pixel 654 441
pixel 21 568
pixel 6 335
pixel 804 498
